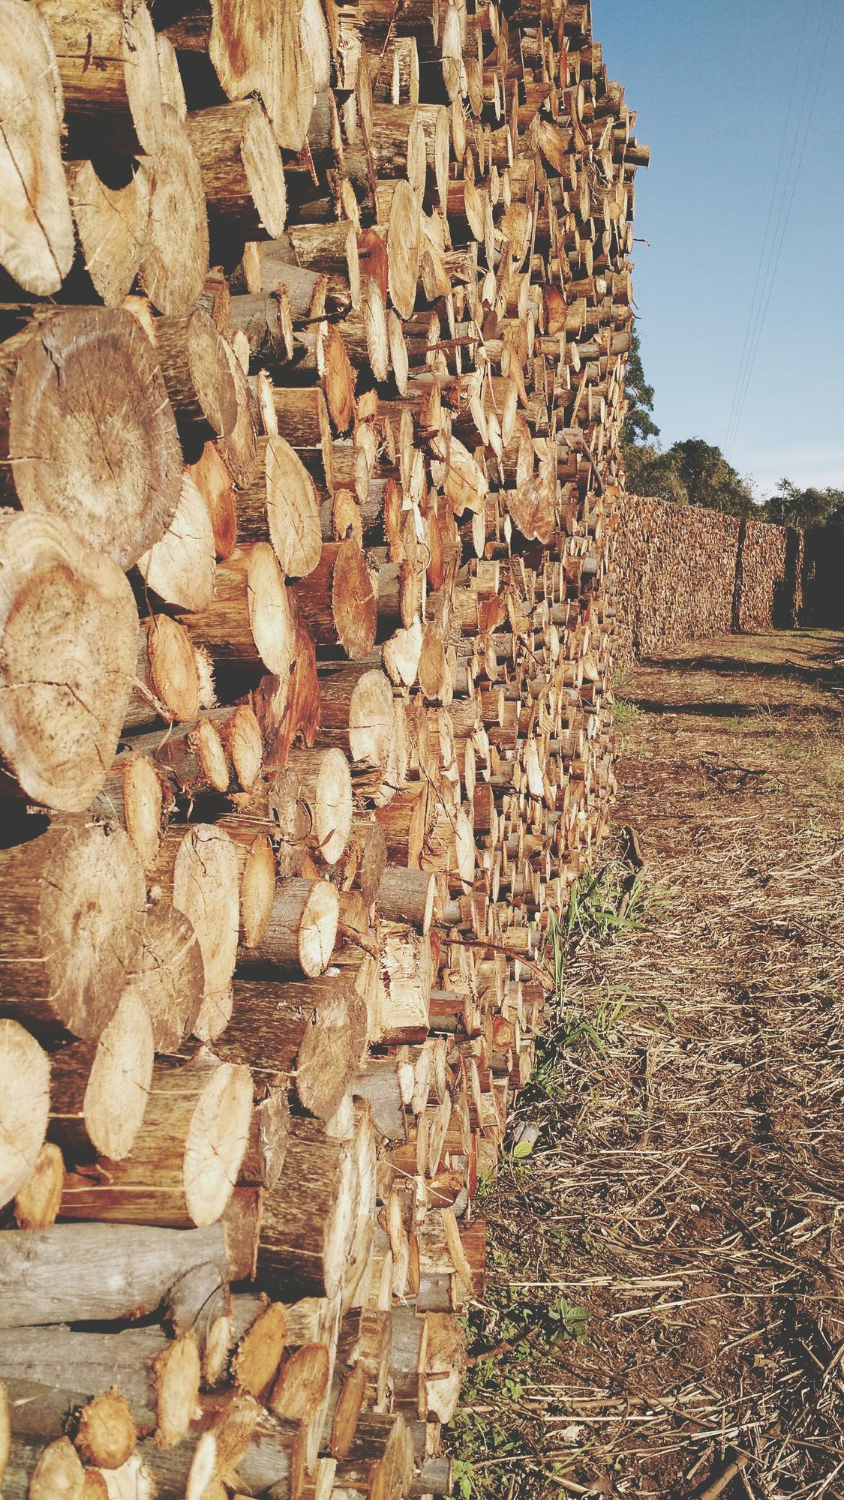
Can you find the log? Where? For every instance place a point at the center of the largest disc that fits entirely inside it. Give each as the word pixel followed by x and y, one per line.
pixel 300 935
pixel 321 782
pixel 205 890
pixel 170 976
pixel 196 372
pixel 186 1156
pixel 71 908
pixel 302 1383
pixel 242 173
pixel 281 504
pixel 175 257
pixel 37 1203
pixel 112 222
pixel 211 476
pixel 88 432
pixel 99 1090
pixel 308 1222
pixel 65 687
pixel 239 450
pixel 25 1095
pixel 407 895
pixel 250 618
pixel 166 679
pixel 180 568
pixel 36 236
pixel 61 1370
pixel 133 795
pixel 281 58
pixel 260 1346
pixel 36 1472
pixel 312 1034
pixel 108 65
pixel 337 600
pixel 358 714
pixel 94 1273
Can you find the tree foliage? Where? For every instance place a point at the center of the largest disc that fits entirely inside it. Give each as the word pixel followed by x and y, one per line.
pixel 689 473
pixel 791 506
pixel 639 424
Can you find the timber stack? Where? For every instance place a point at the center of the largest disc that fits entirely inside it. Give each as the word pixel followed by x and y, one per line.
pixel 314 319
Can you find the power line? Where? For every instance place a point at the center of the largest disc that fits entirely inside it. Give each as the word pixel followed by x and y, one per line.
pixel 786 219
pixel 764 246
pixel 798 151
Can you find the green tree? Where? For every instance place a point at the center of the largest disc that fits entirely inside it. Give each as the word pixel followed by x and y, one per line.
pixel 792 506
pixel 639 424
pixel 709 480
pixel 650 472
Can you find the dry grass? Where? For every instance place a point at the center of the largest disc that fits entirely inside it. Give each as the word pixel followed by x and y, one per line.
pixel 687 1188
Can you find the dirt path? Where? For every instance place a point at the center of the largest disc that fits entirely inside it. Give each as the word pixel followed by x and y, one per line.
pixel 667 1302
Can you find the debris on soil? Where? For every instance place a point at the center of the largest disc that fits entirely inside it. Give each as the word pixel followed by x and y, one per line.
pixel 664 1313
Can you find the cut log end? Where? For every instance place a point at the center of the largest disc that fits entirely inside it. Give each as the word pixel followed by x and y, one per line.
pixel 259 1351
pixel 172 667
pixel 175 258
pixel 333 806
pixel 292 510
pixel 36 238
pixel 177 1378
pixel 59 1474
pixel 217 1141
pixel 318 927
pixel 106 1434
pixel 257 890
pixel 92 436
pixel 69 627
pixel 269 611
pixel 38 1202
pixel 93 896
pixel 24 1106
pixel 205 888
pixel 172 975
pixel 354 602
pixel 120 1078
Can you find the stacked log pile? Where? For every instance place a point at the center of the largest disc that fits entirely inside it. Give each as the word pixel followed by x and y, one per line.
pixel 770 592
pixel 673 575
pixel 681 573
pixel 314 331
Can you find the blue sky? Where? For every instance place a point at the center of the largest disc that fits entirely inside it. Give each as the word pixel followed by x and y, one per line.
pixel 713 82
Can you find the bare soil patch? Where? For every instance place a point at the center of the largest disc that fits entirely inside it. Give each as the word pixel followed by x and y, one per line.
pixel 666 1305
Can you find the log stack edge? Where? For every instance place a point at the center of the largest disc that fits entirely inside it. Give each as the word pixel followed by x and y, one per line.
pixel 314 323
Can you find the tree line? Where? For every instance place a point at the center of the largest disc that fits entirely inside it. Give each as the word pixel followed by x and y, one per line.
pixel 693 472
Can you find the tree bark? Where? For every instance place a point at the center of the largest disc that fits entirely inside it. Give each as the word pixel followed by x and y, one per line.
pixel 94 1273
pixel 108 65
pixel 242 173
pixel 308 1222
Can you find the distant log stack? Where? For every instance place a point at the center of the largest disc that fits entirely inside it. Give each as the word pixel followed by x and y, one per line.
pixel 309 456
pixel 758 576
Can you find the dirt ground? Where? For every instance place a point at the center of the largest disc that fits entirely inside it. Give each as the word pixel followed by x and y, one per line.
pixel 687 1186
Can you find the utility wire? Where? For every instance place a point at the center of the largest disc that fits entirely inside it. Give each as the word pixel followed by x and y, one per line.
pixel 798 151
pixel 764 246
pixel 786 216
